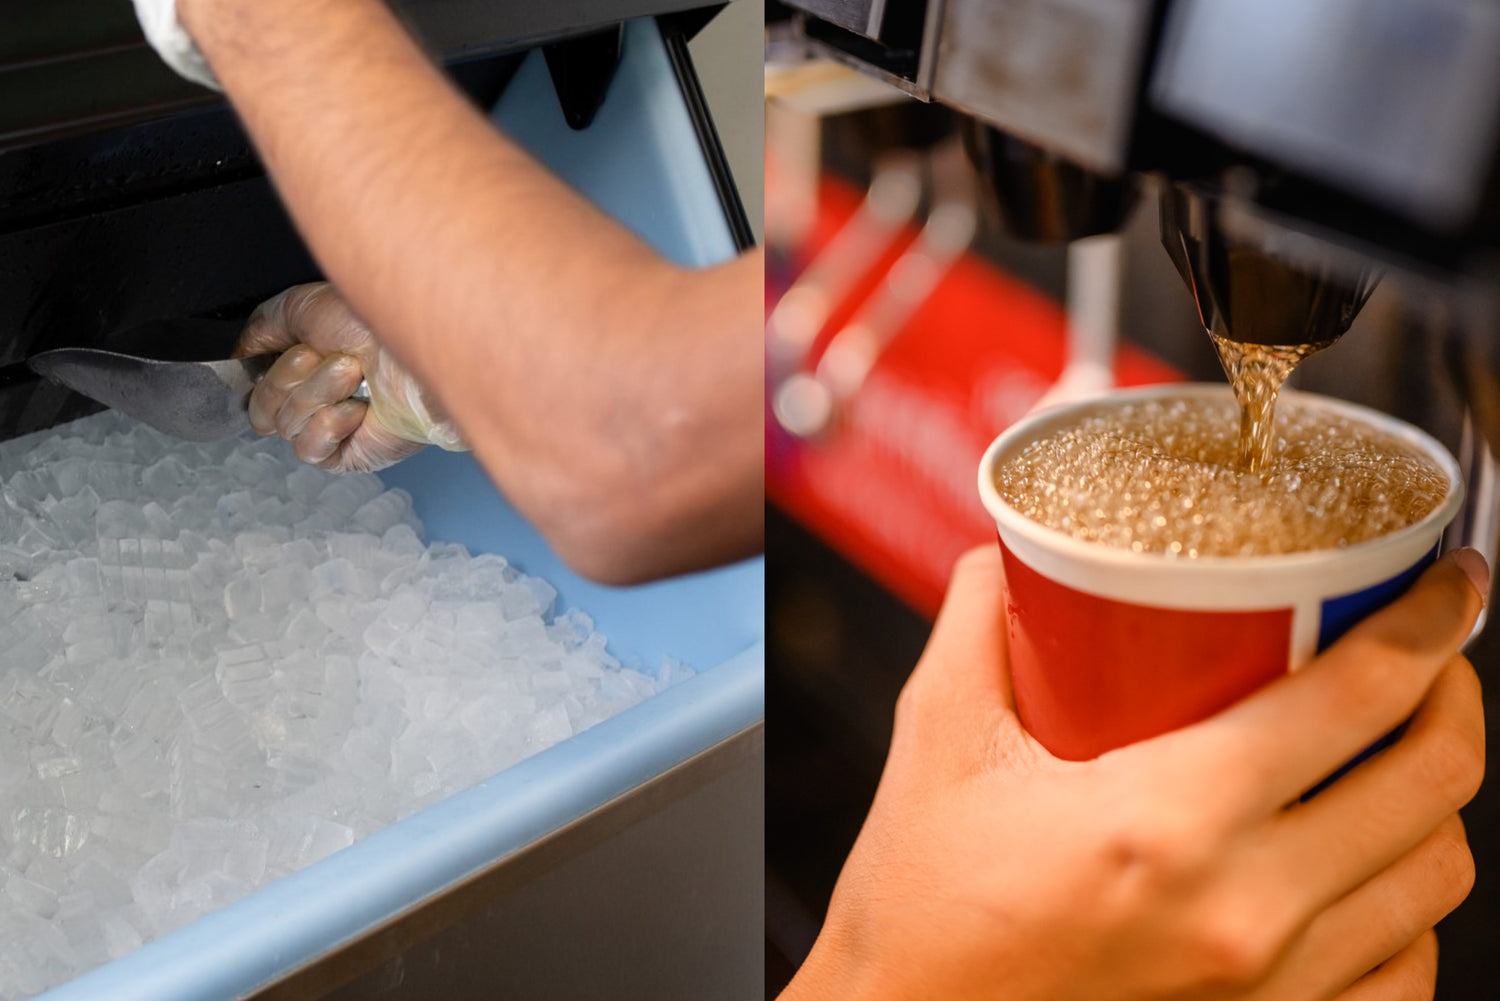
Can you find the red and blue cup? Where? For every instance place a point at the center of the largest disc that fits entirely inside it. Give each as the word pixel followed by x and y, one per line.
pixel 1109 647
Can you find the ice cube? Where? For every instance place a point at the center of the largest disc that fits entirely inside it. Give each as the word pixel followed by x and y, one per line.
pixel 55 767
pixel 548 727
pixel 258 628
pixel 245 683
pixel 167 478
pixel 407 607
pixel 358 548
pixel 26 490
pixel 301 552
pixel 342 578
pixel 159 521
pixel 52 830
pixel 544 594
pixel 105 888
pixel 73 517
pixel 260 650
pixel 242 596
pixel 140 831
pixel 305 483
pixel 308 839
pixel 236 510
pixel 121 936
pixel 251 469
pixel 31 898
pixel 346 494
pixel 40 539
pixel 118 519
pixel 384 512
pixel 402 540
pixel 259 548
pixel 81 577
pixel 303 629
pixel 70 475
pixel 245 861
pixel 283 586
pixel 114 479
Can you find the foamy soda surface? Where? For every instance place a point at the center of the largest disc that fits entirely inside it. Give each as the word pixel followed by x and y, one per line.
pixel 1160 476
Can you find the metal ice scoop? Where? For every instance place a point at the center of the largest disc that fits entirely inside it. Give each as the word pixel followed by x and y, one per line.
pixel 194 400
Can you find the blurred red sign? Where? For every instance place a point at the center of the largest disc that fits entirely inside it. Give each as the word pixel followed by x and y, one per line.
pixel 892 485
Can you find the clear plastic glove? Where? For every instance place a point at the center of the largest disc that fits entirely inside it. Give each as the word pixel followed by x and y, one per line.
pixel 172 42
pixel 325 351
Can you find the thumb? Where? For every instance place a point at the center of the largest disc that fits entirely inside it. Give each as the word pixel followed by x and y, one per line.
pixel 403 407
pixel 965 670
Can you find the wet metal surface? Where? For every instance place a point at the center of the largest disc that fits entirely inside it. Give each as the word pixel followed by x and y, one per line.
pixel 197 401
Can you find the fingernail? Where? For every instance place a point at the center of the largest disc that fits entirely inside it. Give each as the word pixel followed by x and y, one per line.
pixel 1478 571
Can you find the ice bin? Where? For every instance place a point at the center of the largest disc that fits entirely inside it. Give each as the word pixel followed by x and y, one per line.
pixel 623 862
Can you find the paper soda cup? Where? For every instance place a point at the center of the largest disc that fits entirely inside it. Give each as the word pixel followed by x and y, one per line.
pixel 1109 647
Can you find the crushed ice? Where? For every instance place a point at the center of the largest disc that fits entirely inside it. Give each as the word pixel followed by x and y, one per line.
pixel 220 665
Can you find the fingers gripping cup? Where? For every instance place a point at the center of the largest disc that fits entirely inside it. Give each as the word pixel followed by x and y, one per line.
pixel 1113 641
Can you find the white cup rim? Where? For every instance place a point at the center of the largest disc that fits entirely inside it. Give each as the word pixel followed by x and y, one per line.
pixel 1030 427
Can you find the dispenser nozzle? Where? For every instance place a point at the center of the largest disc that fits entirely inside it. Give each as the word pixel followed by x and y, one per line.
pixel 1248 291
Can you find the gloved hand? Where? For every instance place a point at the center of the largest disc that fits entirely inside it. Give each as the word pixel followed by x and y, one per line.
pixel 304 397
pixel 171 41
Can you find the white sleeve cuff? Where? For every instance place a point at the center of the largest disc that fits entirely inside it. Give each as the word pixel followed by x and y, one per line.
pixel 159 22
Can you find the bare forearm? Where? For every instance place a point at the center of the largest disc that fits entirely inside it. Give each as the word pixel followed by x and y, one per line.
pixel 827 974
pixel 575 360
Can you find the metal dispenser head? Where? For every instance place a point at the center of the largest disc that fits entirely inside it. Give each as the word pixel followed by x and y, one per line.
pixel 1042 196
pixel 1250 289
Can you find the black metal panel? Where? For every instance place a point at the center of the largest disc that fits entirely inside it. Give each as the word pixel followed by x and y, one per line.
pixel 1395 101
pixel 474 27
pixel 676 41
pixel 36 31
pixel 1040 196
pixel 581 69
pixel 838 649
pixel 851 15
pixel 901 59
pixel 114 167
pixel 100 170
pixel 210 251
pixel 1064 74
pixel 214 251
pixel 690 22
pixel 30 404
pixel 73 66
